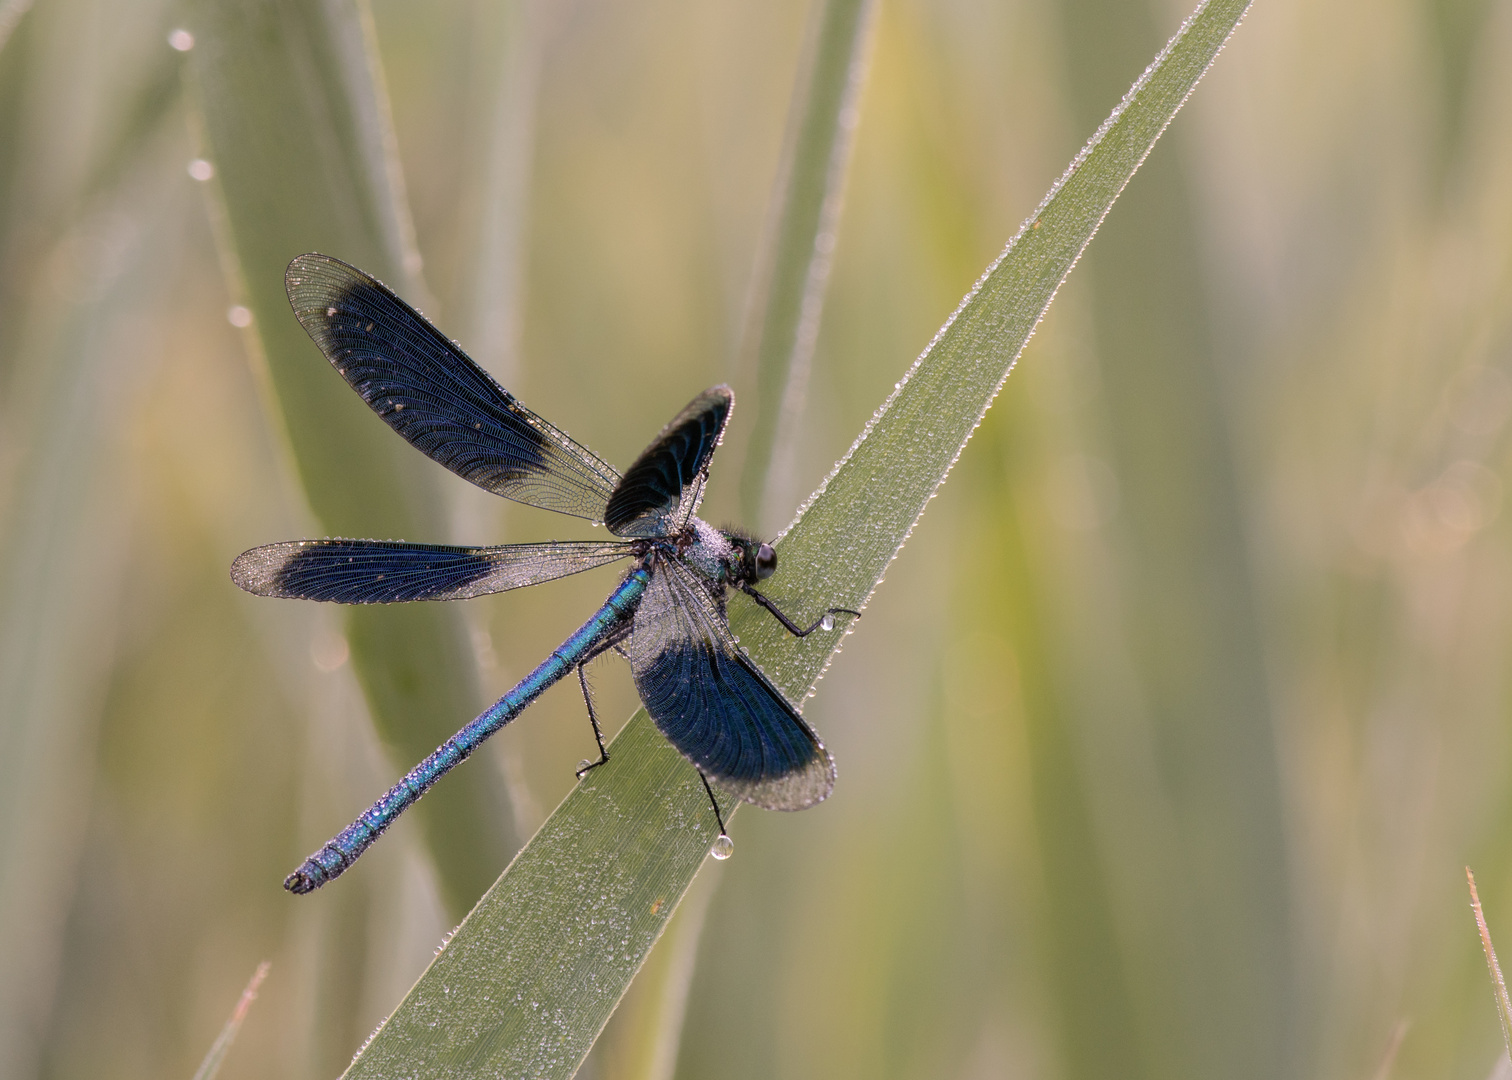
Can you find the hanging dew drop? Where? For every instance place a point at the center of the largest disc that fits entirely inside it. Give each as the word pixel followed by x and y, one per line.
pixel 583 766
pixel 827 623
pixel 722 848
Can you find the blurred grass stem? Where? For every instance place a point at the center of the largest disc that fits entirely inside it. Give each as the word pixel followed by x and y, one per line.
pixel 793 264
pixel 1498 984
pixel 218 1050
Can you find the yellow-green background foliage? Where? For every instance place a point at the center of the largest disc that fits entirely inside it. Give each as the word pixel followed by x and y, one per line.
pixel 1163 746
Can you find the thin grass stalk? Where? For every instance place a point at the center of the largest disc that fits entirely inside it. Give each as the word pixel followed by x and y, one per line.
pixel 793 267
pixel 1498 984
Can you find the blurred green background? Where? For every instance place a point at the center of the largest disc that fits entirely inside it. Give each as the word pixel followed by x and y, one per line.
pixel 1163 746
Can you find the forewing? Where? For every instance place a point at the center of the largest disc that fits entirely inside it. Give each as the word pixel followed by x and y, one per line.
pixel 715 705
pixel 430 392
pixel 666 482
pixel 388 571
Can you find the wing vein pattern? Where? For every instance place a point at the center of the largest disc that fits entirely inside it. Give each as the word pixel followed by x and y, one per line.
pixel 715 705
pixel 390 571
pixel 661 491
pixel 429 391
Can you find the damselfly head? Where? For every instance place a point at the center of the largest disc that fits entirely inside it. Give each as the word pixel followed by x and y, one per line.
pixel 758 559
pixel 766 561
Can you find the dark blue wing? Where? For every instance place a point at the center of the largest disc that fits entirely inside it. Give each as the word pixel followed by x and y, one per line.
pixel 430 392
pixel 666 481
pixel 388 571
pixel 715 705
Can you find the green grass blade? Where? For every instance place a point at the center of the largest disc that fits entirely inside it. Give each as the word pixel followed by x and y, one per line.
pixel 643 1040
pixel 789 292
pixel 501 192
pixel 60 581
pixel 787 300
pixel 295 123
pixel 11 12
pixel 529 979
pixel 1194 733
pixel 81 263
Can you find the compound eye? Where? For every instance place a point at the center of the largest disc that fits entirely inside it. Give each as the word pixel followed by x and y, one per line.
pixel 766 562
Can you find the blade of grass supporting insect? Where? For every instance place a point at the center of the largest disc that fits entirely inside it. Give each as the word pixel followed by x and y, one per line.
pixel 794 265
pixel 530 977
pixel 643 1040
pixel 787 300
pixel 294 120
pixel 1498 984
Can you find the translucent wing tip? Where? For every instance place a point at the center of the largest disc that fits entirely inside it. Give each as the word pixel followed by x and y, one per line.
pixel 797 790
pixel 313 262
pixel 260 570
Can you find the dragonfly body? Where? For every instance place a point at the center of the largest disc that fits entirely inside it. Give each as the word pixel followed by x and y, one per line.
pixel 343 848
pixel 667 616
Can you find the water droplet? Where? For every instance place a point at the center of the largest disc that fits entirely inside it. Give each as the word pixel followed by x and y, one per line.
pixel 239 316
pixel 723 847
pixel 181 39
pixel 828 622
pixel 583 766
pixel 201 170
